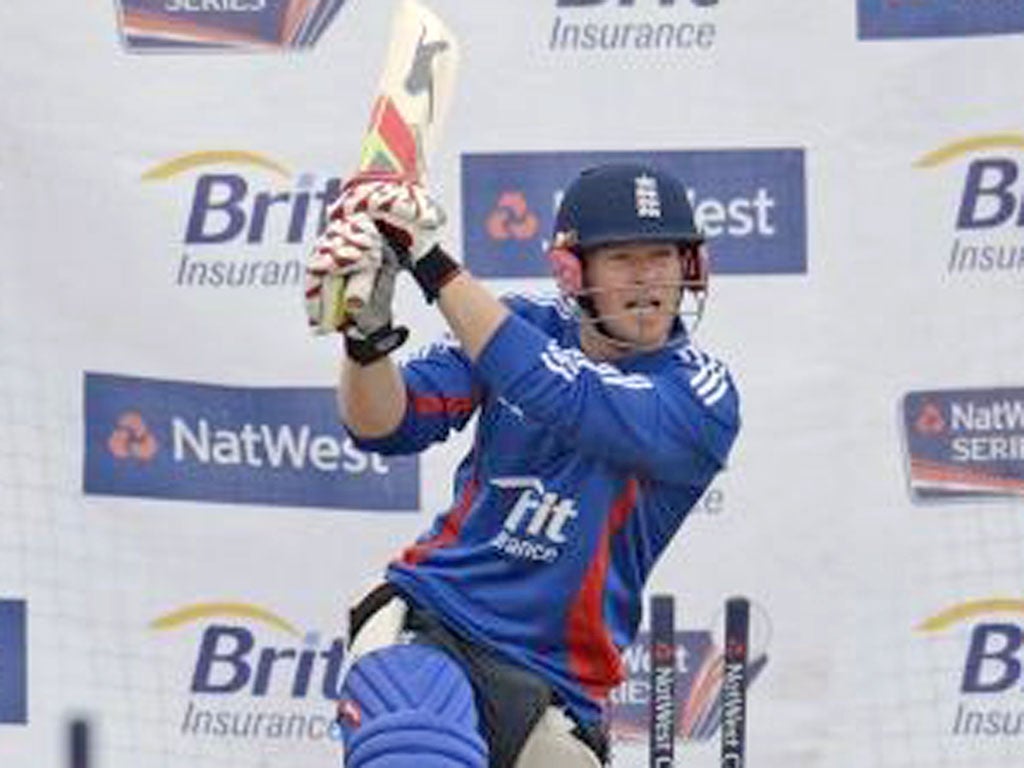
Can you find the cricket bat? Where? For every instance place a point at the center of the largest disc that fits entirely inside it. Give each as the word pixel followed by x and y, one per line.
pixel 413 97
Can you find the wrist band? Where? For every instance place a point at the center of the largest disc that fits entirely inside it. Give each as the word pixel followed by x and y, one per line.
pixel 433 271
pixel 378 344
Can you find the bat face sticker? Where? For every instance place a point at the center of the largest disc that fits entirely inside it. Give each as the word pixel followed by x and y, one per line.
pixel 421 72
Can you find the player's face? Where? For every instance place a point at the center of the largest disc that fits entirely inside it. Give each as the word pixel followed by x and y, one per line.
pixel 636 289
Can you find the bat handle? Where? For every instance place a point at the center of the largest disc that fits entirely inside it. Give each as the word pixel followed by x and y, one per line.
pixel 350 295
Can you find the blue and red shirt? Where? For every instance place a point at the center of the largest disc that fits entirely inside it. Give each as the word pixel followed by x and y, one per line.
pixel 579 475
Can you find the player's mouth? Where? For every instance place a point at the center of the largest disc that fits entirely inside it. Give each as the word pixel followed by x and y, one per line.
pixel 644 305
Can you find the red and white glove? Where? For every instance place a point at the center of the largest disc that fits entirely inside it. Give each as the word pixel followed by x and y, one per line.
pixel 410 219
pixel 409 215
pixel 350 283
pixel 349 246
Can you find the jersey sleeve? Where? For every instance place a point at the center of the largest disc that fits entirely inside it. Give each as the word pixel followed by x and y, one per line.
pixel 675 427
pixel 442 393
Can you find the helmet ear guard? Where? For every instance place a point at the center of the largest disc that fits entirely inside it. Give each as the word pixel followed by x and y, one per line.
pixel 566 265
pixel 568 271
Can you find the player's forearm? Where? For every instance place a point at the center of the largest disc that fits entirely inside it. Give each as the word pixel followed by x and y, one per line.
pixel 371 397
pixel 472 312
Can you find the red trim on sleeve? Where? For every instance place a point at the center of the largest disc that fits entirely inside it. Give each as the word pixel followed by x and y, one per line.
pixel 450 528
pixel 431 405
pixel 593 657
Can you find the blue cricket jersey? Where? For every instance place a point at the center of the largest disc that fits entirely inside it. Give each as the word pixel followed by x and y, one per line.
pixel 579 475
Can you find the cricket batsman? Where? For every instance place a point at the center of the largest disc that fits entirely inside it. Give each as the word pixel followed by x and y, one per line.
pixel 495 639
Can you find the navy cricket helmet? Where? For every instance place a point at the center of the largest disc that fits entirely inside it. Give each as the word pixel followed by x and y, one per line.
pixel 627 203
pixel 624 202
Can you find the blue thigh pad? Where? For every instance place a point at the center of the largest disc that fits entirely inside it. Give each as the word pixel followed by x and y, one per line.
pixel 410 706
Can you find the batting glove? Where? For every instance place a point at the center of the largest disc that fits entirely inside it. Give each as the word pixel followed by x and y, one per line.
pixel 411 220
pixel 350 282
pixel 369 333
pixel 348 246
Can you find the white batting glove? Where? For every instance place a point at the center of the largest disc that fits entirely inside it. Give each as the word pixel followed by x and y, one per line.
pixel 348 263
pixel 349 246
pixel 369 333
pixel 350 243
pixel 410 219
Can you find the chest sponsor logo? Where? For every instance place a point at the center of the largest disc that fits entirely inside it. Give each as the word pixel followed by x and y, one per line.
pixel 537 523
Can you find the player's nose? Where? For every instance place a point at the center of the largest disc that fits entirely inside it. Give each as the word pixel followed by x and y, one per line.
pixel 645 269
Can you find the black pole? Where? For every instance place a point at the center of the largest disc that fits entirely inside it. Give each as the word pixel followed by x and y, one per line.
pixel 78 744
pixel 734 682
pixel 662 709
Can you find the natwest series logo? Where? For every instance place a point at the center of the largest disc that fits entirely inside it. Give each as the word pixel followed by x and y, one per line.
pixel 991 665
pixel 196 26
pixel 666 26
pixel 245 218
pixel 964 444
pixel 249 673
pixel 887 19
pixel 751 204
pixel 988 220
pixel 13 662
pixel 279 446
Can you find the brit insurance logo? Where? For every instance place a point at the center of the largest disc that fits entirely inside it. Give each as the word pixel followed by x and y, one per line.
pixel 246 672
pixel 13 662
pixel 196 26
pixel 241 219
pixel 660 26
pixel 965 444
pixel 988 637
pixel 201 442
pixel 988 215
pixel 751 203
pixel 887 19
pixel 699 685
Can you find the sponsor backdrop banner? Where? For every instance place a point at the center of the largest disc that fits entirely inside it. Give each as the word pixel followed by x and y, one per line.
pixel 183 519
pixel 751 202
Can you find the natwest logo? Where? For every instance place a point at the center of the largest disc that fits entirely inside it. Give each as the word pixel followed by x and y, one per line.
pixel 274 446
pixel 929 419
pixel 131 439
pixel 750 203
pixel 965 443
pixel 536 523
pixel 282 446
pixel 512 218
